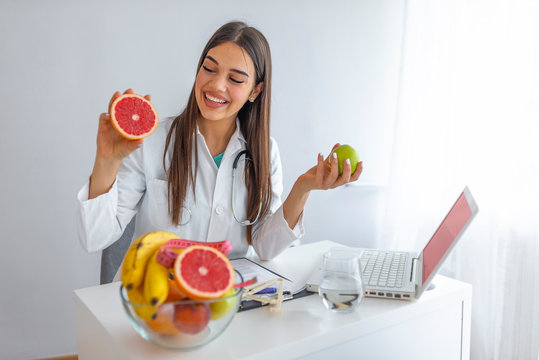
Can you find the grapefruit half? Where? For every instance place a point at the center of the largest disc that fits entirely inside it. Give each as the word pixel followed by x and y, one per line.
pixel 203 272
pixel 133 116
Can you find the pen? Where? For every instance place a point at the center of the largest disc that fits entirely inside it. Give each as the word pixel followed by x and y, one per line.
pixel 269 290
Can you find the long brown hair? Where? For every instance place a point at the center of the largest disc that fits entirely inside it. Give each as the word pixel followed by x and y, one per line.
pixel 254 120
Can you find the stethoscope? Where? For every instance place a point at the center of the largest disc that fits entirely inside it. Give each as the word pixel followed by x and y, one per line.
pixel 245 222
pixel 187 213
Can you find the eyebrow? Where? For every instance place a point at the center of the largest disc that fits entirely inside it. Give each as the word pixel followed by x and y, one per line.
pixel 234 70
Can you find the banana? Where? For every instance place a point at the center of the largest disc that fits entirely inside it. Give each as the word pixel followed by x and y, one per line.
pixel 156 281
pixel 138 254
pixel 144 310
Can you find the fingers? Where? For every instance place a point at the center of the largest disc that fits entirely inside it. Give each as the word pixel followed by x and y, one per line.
pixel 132 145
pixel 148 97
pixel 330 153
pixel 106 130
pixel 320 169
pixel 103 118
pixel 345 176
pixel 346 172
pixel 324 176
pixel 333 172
pixel 329 159
pixel 118 94
pixel 123 147
pixel 114 96
pixel 357 172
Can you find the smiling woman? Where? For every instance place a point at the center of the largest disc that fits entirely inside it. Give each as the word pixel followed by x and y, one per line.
pixel 234 66
pixel 89 47
pixel 181 178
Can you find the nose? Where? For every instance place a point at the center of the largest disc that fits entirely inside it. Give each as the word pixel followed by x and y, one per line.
pixel 218 82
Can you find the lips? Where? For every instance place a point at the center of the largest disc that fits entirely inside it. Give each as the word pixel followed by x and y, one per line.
pixel 214 100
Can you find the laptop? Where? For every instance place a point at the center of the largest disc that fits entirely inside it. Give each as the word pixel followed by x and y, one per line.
pixel 405 275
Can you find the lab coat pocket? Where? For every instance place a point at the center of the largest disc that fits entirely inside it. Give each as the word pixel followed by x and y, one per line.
pixel 158 204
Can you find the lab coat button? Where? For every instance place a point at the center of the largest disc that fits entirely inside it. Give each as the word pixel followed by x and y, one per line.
pixel 219 210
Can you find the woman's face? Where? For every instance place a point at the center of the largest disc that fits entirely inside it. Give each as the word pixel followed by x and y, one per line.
pixel 225 81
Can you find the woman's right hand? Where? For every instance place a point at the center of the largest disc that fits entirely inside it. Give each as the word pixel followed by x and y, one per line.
pixel 111 146
pixel 111 149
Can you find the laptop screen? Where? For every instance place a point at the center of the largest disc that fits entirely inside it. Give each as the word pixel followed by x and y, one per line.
pixel 446 234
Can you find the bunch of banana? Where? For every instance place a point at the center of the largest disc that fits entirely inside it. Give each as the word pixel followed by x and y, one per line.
pixel 156 281
pixel 146 280
pixel 136 296
pixel 137 257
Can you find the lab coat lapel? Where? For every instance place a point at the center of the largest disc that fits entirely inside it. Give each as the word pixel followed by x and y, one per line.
pixel 217 183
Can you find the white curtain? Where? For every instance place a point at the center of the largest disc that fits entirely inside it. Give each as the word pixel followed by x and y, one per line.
pixel 468 114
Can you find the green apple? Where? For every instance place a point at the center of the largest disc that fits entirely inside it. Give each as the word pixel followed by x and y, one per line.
pixel 221 308
pixel 345 152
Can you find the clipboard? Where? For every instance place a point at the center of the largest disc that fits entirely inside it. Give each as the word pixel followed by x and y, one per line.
pixel 251 304
pixel 249 269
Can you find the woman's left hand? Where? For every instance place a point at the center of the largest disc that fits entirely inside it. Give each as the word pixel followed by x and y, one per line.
pixel 324 176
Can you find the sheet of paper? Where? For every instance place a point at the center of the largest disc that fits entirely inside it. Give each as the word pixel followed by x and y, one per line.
pixel 249 269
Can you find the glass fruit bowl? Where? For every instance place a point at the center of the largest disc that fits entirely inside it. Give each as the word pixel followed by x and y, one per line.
pixel 184 324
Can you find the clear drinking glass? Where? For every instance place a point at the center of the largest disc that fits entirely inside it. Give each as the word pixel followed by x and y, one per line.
pixel 341 288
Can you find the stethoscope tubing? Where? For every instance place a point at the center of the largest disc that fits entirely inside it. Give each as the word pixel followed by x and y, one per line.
pixel 245 222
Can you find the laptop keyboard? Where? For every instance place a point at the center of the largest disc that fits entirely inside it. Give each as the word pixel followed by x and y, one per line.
pixel 383 268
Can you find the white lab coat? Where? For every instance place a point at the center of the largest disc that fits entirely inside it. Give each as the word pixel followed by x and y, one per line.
pixel 141 189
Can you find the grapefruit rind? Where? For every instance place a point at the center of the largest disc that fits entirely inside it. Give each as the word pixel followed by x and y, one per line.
pixel 119 128
pixel 186 274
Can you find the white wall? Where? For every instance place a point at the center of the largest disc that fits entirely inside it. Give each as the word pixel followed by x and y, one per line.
pixel 335 79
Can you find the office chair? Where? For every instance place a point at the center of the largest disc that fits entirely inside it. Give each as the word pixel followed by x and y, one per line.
pixel 112 256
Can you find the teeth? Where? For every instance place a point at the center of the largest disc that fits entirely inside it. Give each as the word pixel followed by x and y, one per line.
pixel 215 99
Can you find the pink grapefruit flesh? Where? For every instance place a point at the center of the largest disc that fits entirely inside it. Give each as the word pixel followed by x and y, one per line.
pixel 203 272
pixel 133 116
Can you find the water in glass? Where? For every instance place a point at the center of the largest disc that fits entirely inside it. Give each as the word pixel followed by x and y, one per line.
pixel 341 288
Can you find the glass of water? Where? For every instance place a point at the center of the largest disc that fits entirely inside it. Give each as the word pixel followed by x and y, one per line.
pixel 341 288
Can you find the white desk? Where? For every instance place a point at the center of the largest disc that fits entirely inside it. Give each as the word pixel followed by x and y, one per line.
pixel 437 326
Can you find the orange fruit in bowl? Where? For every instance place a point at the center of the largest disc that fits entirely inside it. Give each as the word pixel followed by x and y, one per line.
pixel 203 272
pixel 163 323
pixel 174 292
pixel 191 318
